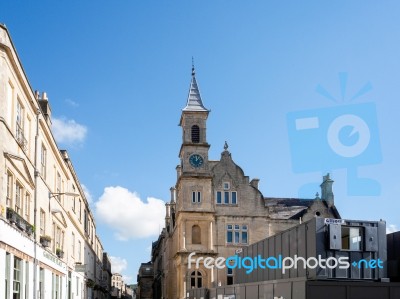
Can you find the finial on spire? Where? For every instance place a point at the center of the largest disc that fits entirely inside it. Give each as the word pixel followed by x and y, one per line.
pixel 226 146
pixel 193 71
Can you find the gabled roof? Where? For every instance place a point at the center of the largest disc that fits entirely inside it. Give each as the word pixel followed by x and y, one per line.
pixel 293 208
pixel 194 102
pixel 21 166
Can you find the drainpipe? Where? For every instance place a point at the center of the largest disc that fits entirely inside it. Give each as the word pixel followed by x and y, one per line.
pixel 35 197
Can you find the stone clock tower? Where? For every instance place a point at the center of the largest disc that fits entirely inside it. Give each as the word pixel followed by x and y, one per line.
pixel 194 177
pixel 194 149
pixel 192 204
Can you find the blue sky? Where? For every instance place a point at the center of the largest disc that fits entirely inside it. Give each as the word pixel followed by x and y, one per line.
pixel 117 75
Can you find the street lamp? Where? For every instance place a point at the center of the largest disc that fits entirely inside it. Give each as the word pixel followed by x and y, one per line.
pixel 54 194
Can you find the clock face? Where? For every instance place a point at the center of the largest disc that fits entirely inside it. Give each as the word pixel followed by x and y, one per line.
pixel 196 160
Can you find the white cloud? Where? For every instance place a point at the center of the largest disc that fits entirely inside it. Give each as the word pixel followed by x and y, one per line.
pixel 131 217
pixel 88 195
pixel 68 131
pixel 391 228
pixel 72 103
pixel 118 264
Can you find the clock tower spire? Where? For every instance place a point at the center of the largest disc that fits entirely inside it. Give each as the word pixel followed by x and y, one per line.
pixel 194 149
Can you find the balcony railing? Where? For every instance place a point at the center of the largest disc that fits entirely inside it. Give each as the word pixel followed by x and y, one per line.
pixel 21 138
pixel 20 222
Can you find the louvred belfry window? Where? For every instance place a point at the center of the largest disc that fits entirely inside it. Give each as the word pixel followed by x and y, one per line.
pixel 195 134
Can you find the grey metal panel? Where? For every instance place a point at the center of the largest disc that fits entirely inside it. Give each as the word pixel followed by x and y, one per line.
pixel 326 292
pixel 286 250
pixel 301 247
pixel 283 289
pixel 341 273
pixel 260 252
pixel 252 291
pixel 213 294
pixel 311 245
pixel 335 236
pixel 241 292
pixel 299 290
pixel 355 271
pixel 229 290
pixel 253 274
pixel 271 252
pixel 244 276
pixel 371 238
pixel 249 276
pixel 266 255
pixel 365 292
pixel 278 250
pixel 266 291
pixel 293 250
pixel 368 273
pixel 382 249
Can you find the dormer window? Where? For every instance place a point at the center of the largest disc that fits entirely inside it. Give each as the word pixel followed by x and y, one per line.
pixel 195 134
pixel 227 186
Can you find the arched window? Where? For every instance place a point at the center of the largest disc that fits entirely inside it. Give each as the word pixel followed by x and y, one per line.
pixel 196 234
pixel 195 134
pixel 196 281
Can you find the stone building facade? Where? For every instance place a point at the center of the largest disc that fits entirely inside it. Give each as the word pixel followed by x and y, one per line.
pixel 145 281
pixel 48 242
pixel 215 209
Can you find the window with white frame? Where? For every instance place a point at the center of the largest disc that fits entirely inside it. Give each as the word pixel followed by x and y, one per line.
pixel 227 196
pixel 17 278
pixel 58 186
pixel 80 211
pixel 196 197
pixel 41 284
pixel 26 287
pixel 59 238
pixel 18 197
pixel 27 206
pixel 56 286
pixel 42 222
pixel 73 199
pixel 7 274
pixel 28 133
pixel 20 120
pixel 79 251
pixel 73 244
pixel 237 234
pixel 9 189
pixel 54 237
pixel 43 161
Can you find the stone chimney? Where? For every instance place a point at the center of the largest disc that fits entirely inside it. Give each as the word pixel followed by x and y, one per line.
pixel 326 190
pixel 172 189
pixel 178 171
pixel 64 154
pixel 254 182
pixel 45 107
